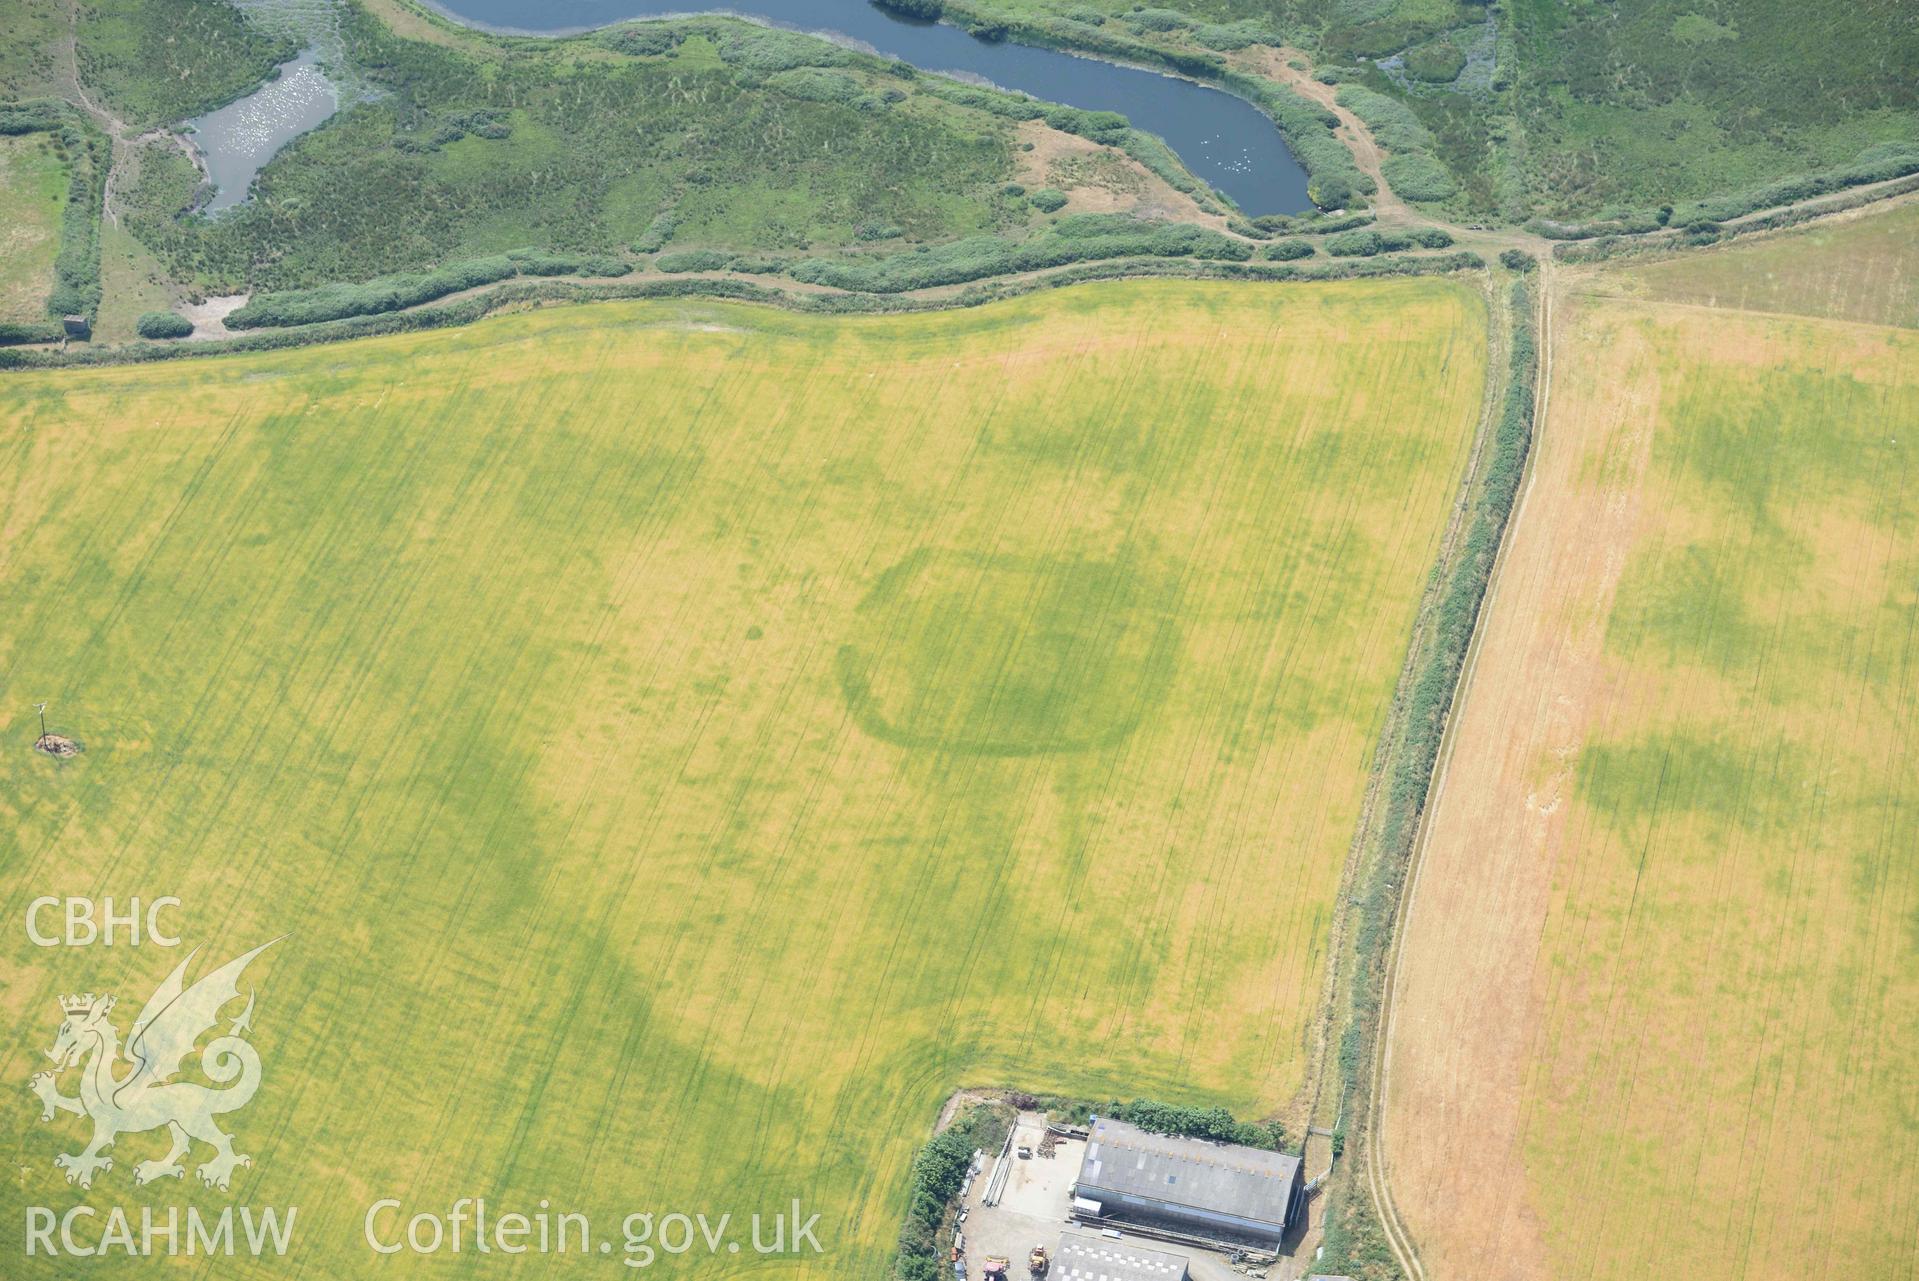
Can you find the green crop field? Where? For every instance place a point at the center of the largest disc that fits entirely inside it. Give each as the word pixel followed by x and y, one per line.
pixel 1732 958
pixel 1663 964
pixel 33 192
pixel 685 741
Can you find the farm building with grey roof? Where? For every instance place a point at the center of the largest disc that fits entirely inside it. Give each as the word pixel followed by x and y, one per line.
pixel 1216 1191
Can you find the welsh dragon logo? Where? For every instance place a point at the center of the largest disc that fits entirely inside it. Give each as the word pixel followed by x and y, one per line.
pixel 131 1089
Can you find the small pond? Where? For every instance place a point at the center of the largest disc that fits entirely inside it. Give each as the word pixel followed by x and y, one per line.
pixel 236 141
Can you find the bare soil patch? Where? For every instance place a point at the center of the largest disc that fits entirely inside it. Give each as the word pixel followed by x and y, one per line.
pixel 1109 180
pixel 210 316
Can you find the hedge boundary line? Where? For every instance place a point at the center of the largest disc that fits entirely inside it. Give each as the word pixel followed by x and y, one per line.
pixel 1606 248
pixel 515 293
pixel 340 301
pixel 1882 162
pixel 1354 1239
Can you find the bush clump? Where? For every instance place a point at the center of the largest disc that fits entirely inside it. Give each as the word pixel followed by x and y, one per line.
pixel 761 264
pixel 1418 177
pixel 1366 243
pixel 1229 36
pixel 532 263
pixel 1157 20
pixel 163 324
pixel 694 260
pixel 816 84
pixel 1356 244
pixel 643 40
pixel 1324 226
pixel 657 233
pixel 1438 61
pixel 760 52
pixel 1289 250
pixel 1048 200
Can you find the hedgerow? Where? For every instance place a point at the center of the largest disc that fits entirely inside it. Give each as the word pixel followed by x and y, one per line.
pixel 938 1172
pixel 1073 239
pixel 524 292
pixel 1606 247
pixel 410 289
pixel 15 332
pixel 1216 1123
pixel 76 267
pixel 1629 224
pixel 1353 1242
pixel 1879 163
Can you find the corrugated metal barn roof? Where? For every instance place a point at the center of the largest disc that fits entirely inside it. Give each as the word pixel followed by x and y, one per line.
pixel 1247 1183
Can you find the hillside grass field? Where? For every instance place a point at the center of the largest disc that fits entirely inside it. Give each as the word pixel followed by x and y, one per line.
pixel 686 741
pixel 33 195
pixel 1661 975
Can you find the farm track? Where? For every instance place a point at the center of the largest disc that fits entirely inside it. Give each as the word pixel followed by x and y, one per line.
pixel 1378 1181
pixel 1334 999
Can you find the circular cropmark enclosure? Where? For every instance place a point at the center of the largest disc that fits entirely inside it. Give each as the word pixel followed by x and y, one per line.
pixel 1008 656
